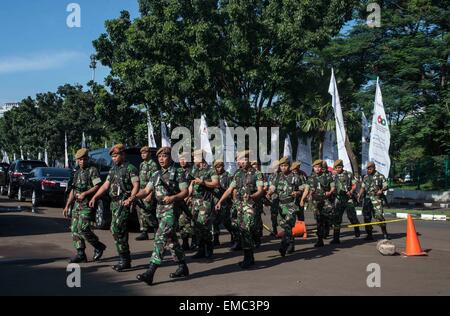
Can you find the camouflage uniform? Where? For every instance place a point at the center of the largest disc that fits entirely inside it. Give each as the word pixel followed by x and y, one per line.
pixel 275 205
pixel 184 222
pixel 373 204
pixel 121 180
pixel 285 186
pixel 202 205
pixel 344 182
pixel 84 180
pixel 301 180
pixel 223 216
pixel 147 210
pixel 246 182
pixel 167 214
pixel 318 203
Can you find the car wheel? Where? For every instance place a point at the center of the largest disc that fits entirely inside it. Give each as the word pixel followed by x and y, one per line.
pixel 2 190
pixel 101 219
pixel 10 192
pixel 35 200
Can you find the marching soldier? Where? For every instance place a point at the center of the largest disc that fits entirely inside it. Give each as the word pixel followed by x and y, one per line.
pixel 332 200
pixel 169 187
pixel 319 189
pixel 288 190
pixel 301 180
pixel 201 191
pixel 373 186
pixel 259 208
pixel 185 221
pixel 223 216
pixel 147 206
pixel 274 206
pixel 123 185
pixel 345 188
pixel 248 184
pixel 86 182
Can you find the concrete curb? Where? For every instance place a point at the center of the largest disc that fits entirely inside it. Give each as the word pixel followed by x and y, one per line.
pixel 425 217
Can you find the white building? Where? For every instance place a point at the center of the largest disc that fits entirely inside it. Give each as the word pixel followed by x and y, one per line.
pixel 6 107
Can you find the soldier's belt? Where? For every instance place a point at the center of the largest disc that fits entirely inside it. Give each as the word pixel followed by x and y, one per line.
pixel 287 200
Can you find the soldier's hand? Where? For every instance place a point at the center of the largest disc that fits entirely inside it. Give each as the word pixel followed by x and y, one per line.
pixel 218 206
pixel 168 200
pixel 126 202
pixel 380 192
pixel 81 196
pixel 349 194
pixel 327 194
pixel 148 199
pixel 302 203
pixel 92 202
pixel 66 212
pixel 198 181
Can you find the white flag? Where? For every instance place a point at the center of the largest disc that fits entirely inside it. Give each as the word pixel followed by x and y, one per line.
pixel 83 141
pixel 380 137
pixel 150 135
pixel 304 155
pixel 66 155
pixel 46 156
pixel 106 144
pixel 5 157
pixel 39 156
pixel 165 140
pixel 330 154
pixel 14 157
pixel 341 135
pixel 204 140
pixel 274 147
pixel 365 141
pixel 21 153
pixel 228 148
pixel 287 152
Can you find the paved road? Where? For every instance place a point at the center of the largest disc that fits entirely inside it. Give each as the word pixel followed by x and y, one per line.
pixel 34 248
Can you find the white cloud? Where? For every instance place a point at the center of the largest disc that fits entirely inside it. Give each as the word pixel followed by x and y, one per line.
pixel 37 62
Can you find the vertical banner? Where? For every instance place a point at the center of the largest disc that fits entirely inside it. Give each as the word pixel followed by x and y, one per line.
pixel 21 153
pixel 83 141
pixel 150 135
pixel 204 140
pixel 365 141
pixel 330 154
pixel 287 151
pixel 228 148
pixel 165 140
pixel 304 155
pixel 66 155
pixel 274 146
pixel 380 137
pixel 46 156
pixel 341 134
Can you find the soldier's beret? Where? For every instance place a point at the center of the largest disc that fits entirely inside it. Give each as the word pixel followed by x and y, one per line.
pixel 370 164
pixel 81 153
pixel 337 163
pixel 145 149
pixel 317 162
pixel 116 149
pixel 218 162
pixel 283 160
pixel 243 154
pixel 254 162
pixel 163 151
pixel 184 155
pixel 199 154
pixel 295 165
pixel 324 164
pixel 275 163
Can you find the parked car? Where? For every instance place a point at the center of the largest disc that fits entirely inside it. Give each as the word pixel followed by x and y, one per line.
pixel 17 172
pixel 45 185
pixel 3 177
pixel 102 160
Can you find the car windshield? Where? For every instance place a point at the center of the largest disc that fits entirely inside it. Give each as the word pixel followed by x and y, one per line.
pixel 27 166
pixel 54 172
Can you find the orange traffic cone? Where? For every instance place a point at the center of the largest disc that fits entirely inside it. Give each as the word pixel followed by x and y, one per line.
pixel 298 230
pixel 412 241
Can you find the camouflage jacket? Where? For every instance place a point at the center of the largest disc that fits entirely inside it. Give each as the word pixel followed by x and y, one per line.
pixel 344 182
pixel 121 179
pixel 207 174
pixel 167 182
pixel 86 179
pixel 374 183
pixel 285 186
pixel 319 184
pixel 146 170
pixel 247 182
pixel 224 181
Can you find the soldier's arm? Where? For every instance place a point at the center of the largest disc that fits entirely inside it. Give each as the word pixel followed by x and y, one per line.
pixel 134 192
pixel 99 193
pixel 258 194
pixel 225 195
pixel 70 200
pixel 145 191
pixel 305 195
pixel 213 184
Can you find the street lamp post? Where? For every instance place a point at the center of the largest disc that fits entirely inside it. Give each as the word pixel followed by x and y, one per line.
pixel 93 65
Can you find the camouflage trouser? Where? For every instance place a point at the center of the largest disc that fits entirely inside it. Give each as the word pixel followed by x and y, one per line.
pixel 147 216
pixel 223 216
pixel 373 208
pixel 258 230
pixel 323 212
pixel 185 226
pixel 81 227
pixel 287 218
pixel 301 211
pixel 246 224
pixel 344 204
pixel 166 236
pixel 274 210
pixel 234 220
pixel 119 227
pixel 203 218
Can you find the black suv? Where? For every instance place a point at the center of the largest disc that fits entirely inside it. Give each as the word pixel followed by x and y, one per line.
pixel 102 160
pixel 17 172
pixel 3 177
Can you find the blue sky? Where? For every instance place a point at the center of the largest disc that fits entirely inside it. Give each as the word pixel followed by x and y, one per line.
pixel 39 52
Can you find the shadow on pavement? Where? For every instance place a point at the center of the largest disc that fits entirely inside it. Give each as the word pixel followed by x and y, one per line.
pixel 25 225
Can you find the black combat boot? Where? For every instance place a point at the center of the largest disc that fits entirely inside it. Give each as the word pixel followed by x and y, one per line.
pixel 216 240
pixel 336 237
pixel 142 236
pixel 209 249
pixel 98 251
pixel 291 247
pixel 194 244
pixel 248 259
pixel 369 236
pixel 147 276
pixel 185 245
pixel 275 231
pixel 385 233
pixel 319 243
pixel 182 271
pixel 357 232
pixel 79 258
pixel 283 247
pixel 200 251
pixel 124 262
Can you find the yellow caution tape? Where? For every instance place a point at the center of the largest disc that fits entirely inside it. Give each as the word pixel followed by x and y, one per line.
pixel 376 223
